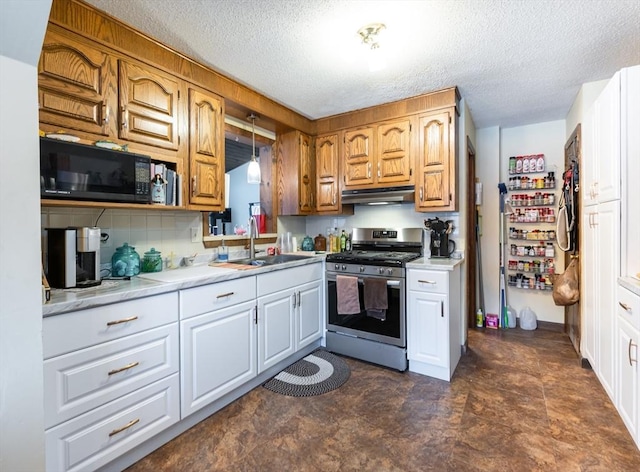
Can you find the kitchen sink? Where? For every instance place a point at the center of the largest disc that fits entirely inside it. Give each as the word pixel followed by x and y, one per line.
pixel 270 260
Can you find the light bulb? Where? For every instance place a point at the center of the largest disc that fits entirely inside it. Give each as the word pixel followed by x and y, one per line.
pixel 253 171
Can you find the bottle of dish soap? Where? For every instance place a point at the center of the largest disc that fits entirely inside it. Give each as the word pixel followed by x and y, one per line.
pixel 223 252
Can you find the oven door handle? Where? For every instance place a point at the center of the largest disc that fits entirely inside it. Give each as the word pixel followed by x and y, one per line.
pixel 390 283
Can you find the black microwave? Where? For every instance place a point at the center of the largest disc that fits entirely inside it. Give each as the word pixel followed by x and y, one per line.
pixel 75 171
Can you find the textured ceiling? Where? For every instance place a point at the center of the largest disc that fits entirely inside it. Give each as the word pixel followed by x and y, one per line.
pixel 514 61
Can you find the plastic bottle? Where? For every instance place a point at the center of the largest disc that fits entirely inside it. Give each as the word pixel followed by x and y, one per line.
pixel 479 319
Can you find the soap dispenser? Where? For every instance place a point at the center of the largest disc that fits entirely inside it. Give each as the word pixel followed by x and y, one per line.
pixel 223 252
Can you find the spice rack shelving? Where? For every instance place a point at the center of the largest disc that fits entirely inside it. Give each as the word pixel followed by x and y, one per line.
pixel 532 203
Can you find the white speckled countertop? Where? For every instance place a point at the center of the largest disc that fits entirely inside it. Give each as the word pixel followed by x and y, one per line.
pixel 630 283
pixel 440 264
pixel 113 291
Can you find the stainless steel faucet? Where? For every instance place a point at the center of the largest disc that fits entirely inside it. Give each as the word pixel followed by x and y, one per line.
pixel 253 234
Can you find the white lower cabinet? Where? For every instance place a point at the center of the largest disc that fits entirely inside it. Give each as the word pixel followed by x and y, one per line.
pixel 217 341
pixel 628 387
pixel 433 322
pixel 111 377
pixel 289 312
pixel 218 354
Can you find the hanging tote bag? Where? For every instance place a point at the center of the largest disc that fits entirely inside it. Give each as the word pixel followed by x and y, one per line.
pixel 566 286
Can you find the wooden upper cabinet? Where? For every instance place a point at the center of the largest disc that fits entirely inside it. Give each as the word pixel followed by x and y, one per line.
pixel 148 101
pixel 380 162
pixel 394 153
pixel 327 173
pixel 435 183
pixel 296 173
pixel 358 157
pixel 206 149
pixel 77 86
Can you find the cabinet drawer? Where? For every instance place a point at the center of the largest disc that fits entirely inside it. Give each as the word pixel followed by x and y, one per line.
pixel 199 300
pixel 100 436
pixel 72 331
pixel 429 280
pixel 83 380
pixel 288 278
pixel 629 306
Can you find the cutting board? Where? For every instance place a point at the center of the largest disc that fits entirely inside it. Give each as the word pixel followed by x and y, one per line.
pixel 230 265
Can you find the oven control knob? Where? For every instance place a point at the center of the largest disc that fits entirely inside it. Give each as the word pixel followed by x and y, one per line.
pixel 361 268
pixel 337 267
pixel 344 267
pixel 390 271
pixel 381 270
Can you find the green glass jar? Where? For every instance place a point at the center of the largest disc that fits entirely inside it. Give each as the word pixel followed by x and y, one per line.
pixel 152 261
pixel 125 262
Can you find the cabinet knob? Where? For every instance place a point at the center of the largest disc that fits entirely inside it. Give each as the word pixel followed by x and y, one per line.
pixel 124 117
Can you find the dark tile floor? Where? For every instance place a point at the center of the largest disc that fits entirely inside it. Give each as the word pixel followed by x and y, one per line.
pixel 519 401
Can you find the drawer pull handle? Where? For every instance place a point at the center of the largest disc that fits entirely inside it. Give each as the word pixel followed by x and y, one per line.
pixel 631 344
pixel 427 282
pixel 224 295
pixel 625 306
pixel 122 369
pixel 123 320
pixel 125 427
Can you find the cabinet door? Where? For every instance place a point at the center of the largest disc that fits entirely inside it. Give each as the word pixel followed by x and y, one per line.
pixel 148 106
pixel 218 355
pixel 627 375
pixel 358 157
pixel 77 86
pixel 206 149
pixel 327 155
pixel 306 174
pixel 607 223
pixel 428 329
pixel 394 153
pixel 309 314
pixel 276 332
pixel 589 280
pixel 607 116
pixel 435 162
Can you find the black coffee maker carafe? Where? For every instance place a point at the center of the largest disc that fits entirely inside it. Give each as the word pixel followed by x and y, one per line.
pixel 440 245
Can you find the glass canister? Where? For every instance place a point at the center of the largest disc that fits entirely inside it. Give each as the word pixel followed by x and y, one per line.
pixel 307 244
pixel 152 261
pixel 125 262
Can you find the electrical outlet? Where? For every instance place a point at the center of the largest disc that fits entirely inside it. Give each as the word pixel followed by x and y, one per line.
pixel 105 237
pixel 195 234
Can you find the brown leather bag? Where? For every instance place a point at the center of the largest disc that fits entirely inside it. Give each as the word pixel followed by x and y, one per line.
pixel 566 286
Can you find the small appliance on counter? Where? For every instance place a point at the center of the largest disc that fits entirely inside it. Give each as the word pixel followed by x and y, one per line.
pixel 441 246
pixel 73 257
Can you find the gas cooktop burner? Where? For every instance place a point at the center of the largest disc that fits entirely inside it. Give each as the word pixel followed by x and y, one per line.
pixel 373 257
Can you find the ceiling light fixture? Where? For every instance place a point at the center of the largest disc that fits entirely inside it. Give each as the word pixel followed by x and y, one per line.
pixel 370 37
pixel 253 170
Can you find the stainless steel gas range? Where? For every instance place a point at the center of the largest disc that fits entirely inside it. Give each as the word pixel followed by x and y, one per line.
pixel 378 254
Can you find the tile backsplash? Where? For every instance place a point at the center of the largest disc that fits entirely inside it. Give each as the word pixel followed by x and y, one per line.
pixel 166 231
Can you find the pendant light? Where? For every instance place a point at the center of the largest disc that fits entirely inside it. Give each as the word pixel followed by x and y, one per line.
pixel 253 170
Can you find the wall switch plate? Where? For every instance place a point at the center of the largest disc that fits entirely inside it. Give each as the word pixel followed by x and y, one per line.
pixel 105 237
pixel 195 234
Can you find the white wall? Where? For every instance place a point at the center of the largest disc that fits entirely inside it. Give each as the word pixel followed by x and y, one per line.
pixel 487 170
pixel 548 139
pixel 22 26
pixel 583 101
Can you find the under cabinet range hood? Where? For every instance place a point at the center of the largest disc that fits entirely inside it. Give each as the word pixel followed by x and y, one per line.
pixel 379 196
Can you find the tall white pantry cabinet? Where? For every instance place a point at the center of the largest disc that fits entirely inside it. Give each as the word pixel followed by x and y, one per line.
pixel 610 213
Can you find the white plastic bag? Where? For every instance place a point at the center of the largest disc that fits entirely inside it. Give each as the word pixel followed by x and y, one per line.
pixel 528 319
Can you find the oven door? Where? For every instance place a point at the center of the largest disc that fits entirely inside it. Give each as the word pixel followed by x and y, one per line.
pixel 390 331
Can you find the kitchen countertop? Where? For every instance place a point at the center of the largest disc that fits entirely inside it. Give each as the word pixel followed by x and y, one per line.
pixel 630 283
pixel 439 264
pixel 114 291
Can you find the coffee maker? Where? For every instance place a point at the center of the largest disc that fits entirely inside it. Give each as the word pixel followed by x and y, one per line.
pixel 440 244
pixel 73 257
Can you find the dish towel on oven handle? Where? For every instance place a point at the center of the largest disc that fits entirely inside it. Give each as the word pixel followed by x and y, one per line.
pixel 347 294
pixel 375 298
